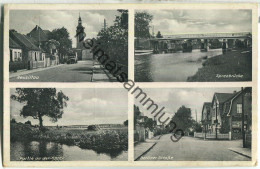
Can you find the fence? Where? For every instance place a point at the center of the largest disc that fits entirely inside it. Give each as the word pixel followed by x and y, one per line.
pixel 213 136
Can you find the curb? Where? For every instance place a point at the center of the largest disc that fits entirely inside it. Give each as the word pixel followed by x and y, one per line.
pixel 145 152
pixel 240 153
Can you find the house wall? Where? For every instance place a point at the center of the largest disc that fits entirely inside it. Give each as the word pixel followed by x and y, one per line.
pixel 216 107
pixel 16 54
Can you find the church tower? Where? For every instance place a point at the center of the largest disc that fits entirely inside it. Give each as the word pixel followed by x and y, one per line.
pixel 80 34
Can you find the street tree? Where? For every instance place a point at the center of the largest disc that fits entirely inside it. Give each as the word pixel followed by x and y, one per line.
pixel 183 118
pixel 149 123
pixel 40 102
pixel 113 40
pixel 142 24
pixel 159 35
pixel 62 36
pixel 126 123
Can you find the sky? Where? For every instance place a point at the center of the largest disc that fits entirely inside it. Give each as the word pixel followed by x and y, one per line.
pixel 173 99
pixel 171 22
pixel 23 21
pixel 85 107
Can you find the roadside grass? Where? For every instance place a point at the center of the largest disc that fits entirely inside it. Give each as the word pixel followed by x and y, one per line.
pixel 231 63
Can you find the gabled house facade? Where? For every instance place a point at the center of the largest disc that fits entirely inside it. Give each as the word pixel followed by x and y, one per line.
pixel 227 112
pixel 206 117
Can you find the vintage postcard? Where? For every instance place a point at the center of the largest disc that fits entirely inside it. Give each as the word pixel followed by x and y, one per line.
pixel 183 91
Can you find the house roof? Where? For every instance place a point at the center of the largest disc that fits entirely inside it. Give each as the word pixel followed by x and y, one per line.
pixel 223 97
pixel 13 44
pixel 23 40
pixel 38 34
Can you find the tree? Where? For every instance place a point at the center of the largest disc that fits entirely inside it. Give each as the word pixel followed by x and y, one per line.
pixel 62 36
pixel 183 118
pixel 149 123
pixel 28 122
pixel 159 35
pixel 13 121
pixel 137 113
pixel 196 126
pixel 113 40
pixel 40 102
pixel 126 123
pixel 142 24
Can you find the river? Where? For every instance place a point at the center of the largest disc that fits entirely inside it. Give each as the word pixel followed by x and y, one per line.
pixel 50 151
pixel 170 67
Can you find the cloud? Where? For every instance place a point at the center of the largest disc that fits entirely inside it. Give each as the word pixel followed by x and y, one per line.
pixel 93 20
pixel 87 106
pixel 201 21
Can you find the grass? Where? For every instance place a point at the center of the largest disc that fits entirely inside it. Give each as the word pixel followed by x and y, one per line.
pixel 231 63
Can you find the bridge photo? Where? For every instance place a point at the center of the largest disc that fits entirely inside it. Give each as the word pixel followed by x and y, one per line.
pixel 192 45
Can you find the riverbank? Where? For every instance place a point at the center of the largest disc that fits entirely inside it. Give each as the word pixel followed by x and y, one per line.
pixel 231 66
pixel 111 141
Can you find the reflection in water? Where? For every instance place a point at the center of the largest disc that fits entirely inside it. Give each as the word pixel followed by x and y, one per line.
pixel 50 151
pixel 171 67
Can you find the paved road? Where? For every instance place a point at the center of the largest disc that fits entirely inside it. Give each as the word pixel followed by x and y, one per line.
pixel 80 72
pixel 193 149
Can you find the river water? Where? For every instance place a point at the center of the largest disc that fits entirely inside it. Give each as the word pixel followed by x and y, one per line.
pixel 170 67
pixel 50 151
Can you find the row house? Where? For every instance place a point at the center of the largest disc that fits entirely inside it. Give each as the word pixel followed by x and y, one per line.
pixel 27 51
pixel 224 113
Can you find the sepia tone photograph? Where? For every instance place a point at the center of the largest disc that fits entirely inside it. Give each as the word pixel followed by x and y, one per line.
pixel 193 45
pixel 53 46
pixel 49 124
pixel 193 124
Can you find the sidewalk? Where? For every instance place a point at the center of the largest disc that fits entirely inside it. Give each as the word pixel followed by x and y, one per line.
pixel 100 74
pixel 242 151
pixel 25 71
pixel 143 147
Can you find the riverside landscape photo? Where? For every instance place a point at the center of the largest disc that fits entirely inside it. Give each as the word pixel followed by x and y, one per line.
pixel 49 124
pixel 193 45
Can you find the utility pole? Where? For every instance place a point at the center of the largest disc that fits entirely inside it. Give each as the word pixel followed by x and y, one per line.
pixel 216 121
pixel 243 119
pixel 196 115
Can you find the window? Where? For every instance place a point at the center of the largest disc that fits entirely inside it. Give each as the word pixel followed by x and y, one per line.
pixel 239 108
pixel 11 55
pixel 15 56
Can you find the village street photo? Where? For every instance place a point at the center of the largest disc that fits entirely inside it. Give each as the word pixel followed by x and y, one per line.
pixel 65 124
pixel 193 45
pixel 49 46
pixel 196 124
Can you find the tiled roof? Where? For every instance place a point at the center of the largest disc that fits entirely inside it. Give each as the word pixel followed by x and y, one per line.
pixel 23 40
pixel 223 97
pixel 13 44
pixel 38 34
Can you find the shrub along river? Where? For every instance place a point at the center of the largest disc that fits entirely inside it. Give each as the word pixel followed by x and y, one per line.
pixel 51 151
pixel 170 67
